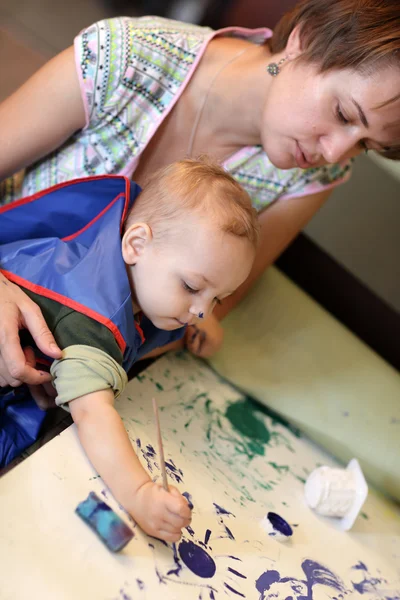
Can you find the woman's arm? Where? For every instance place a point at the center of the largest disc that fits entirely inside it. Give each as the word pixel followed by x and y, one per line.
pixel 41 114
pixel 280 223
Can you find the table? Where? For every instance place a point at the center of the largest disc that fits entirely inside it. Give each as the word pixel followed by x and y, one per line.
pixel 237 463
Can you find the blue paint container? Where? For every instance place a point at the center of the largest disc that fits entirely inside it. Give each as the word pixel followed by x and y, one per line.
pixel 110 528
pixel 277 527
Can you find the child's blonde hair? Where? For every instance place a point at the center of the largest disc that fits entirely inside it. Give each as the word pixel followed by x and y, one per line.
pixel 201 186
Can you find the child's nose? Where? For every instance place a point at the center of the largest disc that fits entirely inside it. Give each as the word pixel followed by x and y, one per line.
pixel 199 311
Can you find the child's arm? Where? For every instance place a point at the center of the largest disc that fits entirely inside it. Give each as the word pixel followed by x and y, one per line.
pixel 102 434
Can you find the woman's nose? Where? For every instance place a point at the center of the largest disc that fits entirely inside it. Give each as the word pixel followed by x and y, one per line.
pixel 338 146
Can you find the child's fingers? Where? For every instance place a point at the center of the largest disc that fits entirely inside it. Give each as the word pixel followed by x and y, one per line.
pixel 175 522
pixel 168 536
pixel 178 504
pixel 196 341
pixel 202 339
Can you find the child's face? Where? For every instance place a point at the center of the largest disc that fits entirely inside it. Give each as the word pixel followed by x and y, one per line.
pixel 198 265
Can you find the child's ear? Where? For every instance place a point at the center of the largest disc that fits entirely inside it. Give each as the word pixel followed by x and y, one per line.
pixel 134 242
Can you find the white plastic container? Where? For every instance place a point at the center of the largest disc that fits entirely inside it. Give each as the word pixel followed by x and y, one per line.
pixel 338 493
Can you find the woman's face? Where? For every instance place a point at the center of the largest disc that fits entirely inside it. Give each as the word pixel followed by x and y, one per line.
pixel 312 119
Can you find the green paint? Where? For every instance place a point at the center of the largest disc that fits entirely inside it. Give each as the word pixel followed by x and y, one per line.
pixel 364 515
pixel 242 416
pixel 159 386
pixel 276 418
pixel 279 468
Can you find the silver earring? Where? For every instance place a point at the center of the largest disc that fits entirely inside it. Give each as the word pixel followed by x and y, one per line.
pixel 275 68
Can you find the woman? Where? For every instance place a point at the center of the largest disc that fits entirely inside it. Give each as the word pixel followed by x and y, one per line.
pixel 283 113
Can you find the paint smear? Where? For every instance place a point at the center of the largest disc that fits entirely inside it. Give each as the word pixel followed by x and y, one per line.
pixel 197 559
pixel 222 511
pixel 315 573
pixel 242 416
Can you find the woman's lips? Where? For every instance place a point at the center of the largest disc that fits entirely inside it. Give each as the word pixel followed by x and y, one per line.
pixel 301 158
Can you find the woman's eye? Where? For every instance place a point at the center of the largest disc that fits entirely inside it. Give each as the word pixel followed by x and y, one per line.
pixel 341 116
pixel 188 288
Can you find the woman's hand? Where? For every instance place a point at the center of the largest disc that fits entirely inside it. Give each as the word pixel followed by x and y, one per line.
pixel 205 338
pixel 17 311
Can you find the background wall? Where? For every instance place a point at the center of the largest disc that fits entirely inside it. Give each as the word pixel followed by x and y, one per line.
pixel 360 226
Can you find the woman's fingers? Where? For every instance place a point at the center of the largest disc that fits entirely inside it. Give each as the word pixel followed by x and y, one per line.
pixel 35 323
pixel 17 311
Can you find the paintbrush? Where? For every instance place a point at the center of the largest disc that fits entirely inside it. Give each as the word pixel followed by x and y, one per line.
pixel 160 447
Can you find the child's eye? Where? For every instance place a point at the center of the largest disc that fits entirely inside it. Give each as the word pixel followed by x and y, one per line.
pixel 341 116
pixel 217 301
pixel 188 288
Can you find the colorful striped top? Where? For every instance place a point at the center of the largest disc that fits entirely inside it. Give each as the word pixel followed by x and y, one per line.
pixel 131 72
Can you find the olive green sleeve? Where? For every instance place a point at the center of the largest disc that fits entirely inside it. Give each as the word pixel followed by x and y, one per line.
pixel 83 370
pixel 92 360
pixel 70 327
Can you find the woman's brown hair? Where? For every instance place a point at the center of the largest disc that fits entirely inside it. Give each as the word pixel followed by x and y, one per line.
pixel 363 35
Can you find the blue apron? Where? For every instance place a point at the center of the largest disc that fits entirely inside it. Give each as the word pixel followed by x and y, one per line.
pixel 65 243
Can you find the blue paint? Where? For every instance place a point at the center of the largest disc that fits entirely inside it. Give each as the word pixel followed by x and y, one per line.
pixel 138 443
pixel 190 530
pixel 360 566
pixel 140 584
pixel 201 315
pixel 150 450
pixel 222 511
pixel 197 559
pixel 237 573
pixel 264 582
pixel 110 528
pixel 315 574
pixel 174 472
pixel 319 574
pixel 207 536
pixel 212 597
pixel 231 589
pixel 189 499
pixel 178 566
pixel 367 586
pixel 229 532
pixel 279 524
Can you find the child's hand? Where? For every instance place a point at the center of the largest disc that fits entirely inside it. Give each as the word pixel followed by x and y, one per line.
pixel 159 513
pixel 204 338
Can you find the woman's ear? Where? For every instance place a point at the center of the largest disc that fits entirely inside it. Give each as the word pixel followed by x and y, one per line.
pixel 294 45
pixel 134 242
